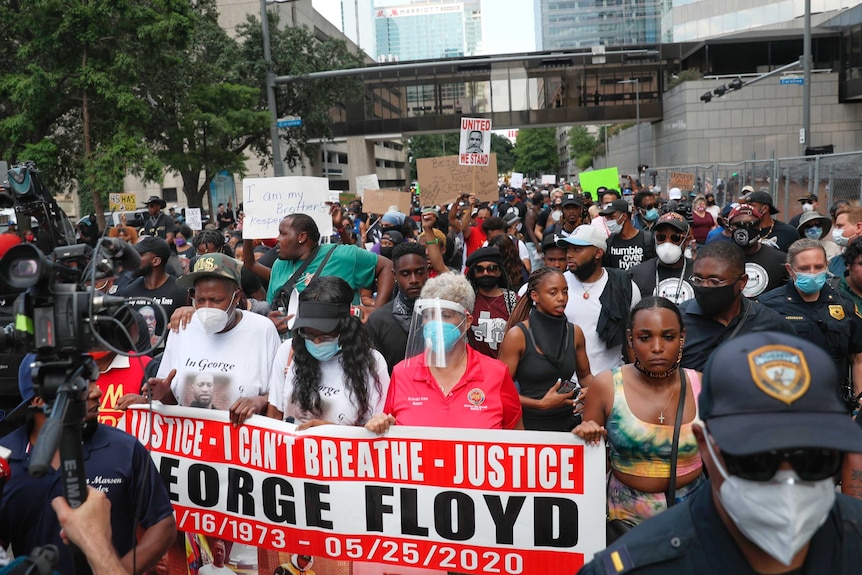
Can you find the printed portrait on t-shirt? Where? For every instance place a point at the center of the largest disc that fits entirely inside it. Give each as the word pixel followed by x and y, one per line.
pixel 206 390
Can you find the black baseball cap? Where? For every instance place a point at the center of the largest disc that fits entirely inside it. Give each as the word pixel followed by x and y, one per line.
pixel 324 317
pixel 764 198
pixel 550 241
pixel 767 391
pixel 616 206
pixel 156 246
pixel 571 200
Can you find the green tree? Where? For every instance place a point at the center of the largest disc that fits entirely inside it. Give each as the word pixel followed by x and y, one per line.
pixel 582 147
pixel 504 149
pixel 536 151
pixel 431 146
pixel 73 92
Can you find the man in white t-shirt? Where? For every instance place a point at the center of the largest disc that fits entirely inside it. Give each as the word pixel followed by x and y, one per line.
pixel 599 298
pixel 217 567
pixel 234 347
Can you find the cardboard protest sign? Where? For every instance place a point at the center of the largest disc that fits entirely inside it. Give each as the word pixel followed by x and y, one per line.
pixel 378 201
pixel 594 179
pixel 122 202
pixel 268 200
pixel 682 180
pixel 516 502
pixel 475 147
pixel 443 179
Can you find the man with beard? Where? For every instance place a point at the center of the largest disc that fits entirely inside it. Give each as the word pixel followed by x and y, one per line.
pixel 388 326
pixel 572 206
pixel 599 298
pixel 764 264
pixel 152 282
pixel 667 275
pixel 202 391
pixel 719 312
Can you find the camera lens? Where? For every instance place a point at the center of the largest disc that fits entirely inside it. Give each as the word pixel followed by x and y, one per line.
pixel 24 269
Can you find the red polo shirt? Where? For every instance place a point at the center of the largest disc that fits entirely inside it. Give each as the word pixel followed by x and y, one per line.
pixel 484 398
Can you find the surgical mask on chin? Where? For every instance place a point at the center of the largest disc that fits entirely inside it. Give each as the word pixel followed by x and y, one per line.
pixel 651 215
pixel 323 351
pixel 614 227
pixel 807 207
pixel 440 336
pixel 813 233
pixel 780 515
pixel 214 319
pixel 810 283
pixel 839 238
pixel 668 252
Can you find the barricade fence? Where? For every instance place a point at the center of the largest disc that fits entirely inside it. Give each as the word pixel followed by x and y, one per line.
pixel 830 177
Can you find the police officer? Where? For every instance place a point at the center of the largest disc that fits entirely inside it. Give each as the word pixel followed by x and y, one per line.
pixel 773 438
pixel 157 223
pixel 818 312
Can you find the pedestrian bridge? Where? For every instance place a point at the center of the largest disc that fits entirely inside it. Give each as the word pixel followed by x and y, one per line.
pixel 584 86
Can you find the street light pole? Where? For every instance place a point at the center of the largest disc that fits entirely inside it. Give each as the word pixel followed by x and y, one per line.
pixel 277 158
pixel 636 82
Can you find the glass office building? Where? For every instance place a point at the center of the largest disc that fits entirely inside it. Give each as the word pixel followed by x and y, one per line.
pixel 586 23
pixel 422 31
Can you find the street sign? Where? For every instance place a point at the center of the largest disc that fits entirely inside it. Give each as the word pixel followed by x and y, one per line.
pixel 792 80
pixel 290 123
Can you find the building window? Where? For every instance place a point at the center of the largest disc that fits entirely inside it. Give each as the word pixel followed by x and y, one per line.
pixel 169 194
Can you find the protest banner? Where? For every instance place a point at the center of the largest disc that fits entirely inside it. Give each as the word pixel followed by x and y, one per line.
pixel 682 180
pixel 549 179
pixel 514 502
pixel 268 200
pixel 475 146
pixel 378 201
pixel 369 182
pixel 594 179
pixel 517 180
pixel 194 219
pixel 442 180
pixel 122 202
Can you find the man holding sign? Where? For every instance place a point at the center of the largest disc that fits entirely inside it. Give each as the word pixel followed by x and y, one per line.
pixel 475 149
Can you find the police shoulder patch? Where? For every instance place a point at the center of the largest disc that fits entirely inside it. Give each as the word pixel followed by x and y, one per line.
pixel 780 372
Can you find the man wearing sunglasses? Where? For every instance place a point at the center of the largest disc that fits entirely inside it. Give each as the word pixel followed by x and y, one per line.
pixel 669 274
pixel 773 437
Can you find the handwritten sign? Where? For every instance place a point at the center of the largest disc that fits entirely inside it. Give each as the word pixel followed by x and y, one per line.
pixel 369 182
pixel 268 200
pixel 594 179
pixel 378 201
pixel 517 180
pixel 682 180
pixel 443 179
pixel 475 148
pixel 549 179
pixel 194 219
pixel 122 202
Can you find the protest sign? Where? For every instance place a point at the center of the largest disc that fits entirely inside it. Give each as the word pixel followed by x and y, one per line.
pixel 549 179
pixel 515 502
pixel 442 180
pixel 475 147
pixel 682 180
pixel 517 180
pixel 369 182
pixel 194 219
pixel 378 201
pixel 122 202
pixel 268 200
pixel 609 178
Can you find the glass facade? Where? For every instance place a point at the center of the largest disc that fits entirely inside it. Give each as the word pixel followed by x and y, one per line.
pixel 586 23
pixel 420 31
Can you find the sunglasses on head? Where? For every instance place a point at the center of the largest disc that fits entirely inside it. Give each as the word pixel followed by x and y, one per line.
pixel 489 269
pixel 675 238
pixel 810 464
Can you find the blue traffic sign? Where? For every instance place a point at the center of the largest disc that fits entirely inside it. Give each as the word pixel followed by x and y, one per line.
pixel 792 80
pixel 291 123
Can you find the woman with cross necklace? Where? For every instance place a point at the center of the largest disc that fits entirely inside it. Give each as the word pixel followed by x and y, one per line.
pixel 635 408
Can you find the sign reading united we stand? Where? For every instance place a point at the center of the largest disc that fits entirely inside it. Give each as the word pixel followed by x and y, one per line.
pixel 475 148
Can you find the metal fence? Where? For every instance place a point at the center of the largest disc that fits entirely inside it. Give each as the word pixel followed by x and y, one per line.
pixel 831 177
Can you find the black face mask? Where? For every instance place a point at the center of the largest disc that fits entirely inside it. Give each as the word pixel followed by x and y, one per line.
pixel 714 300
pixel 486 281
pixel 387 251
pixel 585 271
pixel 744 237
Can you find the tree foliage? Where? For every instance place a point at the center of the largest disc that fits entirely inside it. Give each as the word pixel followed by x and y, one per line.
pixel 536 152
pixel 582 146
pixel 432 146
pixel 504 149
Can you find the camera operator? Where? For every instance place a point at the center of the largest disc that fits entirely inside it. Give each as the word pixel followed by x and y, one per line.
pixel 115 463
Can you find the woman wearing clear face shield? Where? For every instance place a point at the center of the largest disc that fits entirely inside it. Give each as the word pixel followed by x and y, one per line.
pixel 443 382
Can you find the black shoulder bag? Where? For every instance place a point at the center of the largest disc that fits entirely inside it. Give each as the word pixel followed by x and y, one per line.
pixel 282 296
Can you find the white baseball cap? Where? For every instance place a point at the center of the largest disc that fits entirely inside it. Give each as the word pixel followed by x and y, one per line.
pixel 585 235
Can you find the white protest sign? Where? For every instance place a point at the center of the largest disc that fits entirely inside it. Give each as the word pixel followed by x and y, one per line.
pixel 475 148
pixel 334 196
pixel 267 201
pixel 369 182
pixel 193 218
pixel 550 179
pixel 517 180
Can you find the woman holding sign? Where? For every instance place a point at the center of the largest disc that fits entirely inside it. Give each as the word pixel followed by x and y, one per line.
pixel 444 382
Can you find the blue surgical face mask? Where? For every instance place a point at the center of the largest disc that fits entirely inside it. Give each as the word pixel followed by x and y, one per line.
pixel 814 232
pixel 451 335
pixel 810 283
pixel 651 215
pixel 614 226
pixel 839 238
pixel 323 351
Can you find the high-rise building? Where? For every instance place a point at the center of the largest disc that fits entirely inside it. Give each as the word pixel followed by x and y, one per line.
pixel 427 30
pixel 584 23
pixel 357 23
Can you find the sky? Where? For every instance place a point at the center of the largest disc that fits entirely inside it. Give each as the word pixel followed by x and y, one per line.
pixel 507 25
